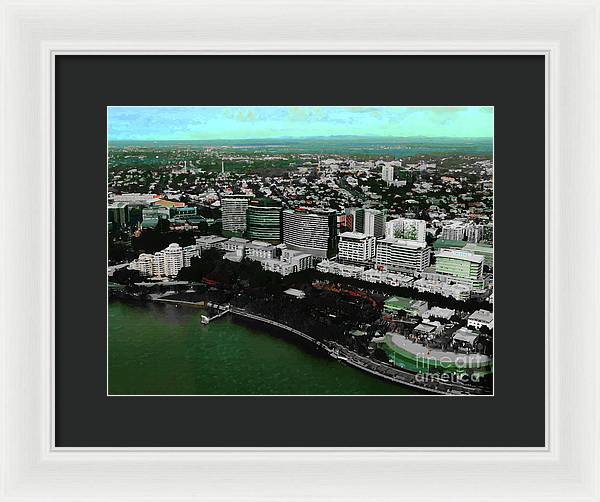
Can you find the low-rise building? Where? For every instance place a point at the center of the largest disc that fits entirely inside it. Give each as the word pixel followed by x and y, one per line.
pixel 481 318
pixel 464 340
pixel 258 250
pixel 234 244
pixel 397 304
pixel 443 287
pixel 428 329
pixel 439 313
pixel 461 266
pixel 209 241
pixel 332 267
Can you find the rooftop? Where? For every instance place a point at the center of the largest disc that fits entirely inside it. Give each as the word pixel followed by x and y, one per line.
pixel 398 302
pixel 167 203
pixel 415 349
pixel 210 239
pixel 264 202
pixel 465 335
pixel 460 255
pixel 353 235
pixel 403 242
pixel 298 293
pixel 482 316
pixel 439 312
pixel 448 243
pixel 117 205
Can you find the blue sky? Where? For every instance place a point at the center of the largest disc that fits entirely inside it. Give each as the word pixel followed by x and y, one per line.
pixel 254 122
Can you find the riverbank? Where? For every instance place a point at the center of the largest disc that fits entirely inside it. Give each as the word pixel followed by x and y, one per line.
pixel 351 358
pixel 157 348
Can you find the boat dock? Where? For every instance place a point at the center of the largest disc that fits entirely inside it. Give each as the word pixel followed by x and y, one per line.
pixel 221 311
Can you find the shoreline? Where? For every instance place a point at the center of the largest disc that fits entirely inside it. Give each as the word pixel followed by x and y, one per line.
pixel 399 376
pixel 337 352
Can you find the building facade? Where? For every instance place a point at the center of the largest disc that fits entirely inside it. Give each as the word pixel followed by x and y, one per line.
pixel 374 223
pixel 454 230
pixel 233 211
pixel 461 265
pixel 356 247
pixel 165 263
pixel 481 318
pixel 405 228
pixel 263 220
pixel 312 231
pixel 387 173
pixel 259 250
pixel 399 254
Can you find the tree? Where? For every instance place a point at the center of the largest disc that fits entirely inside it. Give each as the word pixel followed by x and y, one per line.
pixel 126 276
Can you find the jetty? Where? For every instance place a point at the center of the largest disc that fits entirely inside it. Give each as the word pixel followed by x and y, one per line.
pixel 221 310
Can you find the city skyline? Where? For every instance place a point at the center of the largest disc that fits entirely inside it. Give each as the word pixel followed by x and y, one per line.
pixel 171 123
pixel 377 252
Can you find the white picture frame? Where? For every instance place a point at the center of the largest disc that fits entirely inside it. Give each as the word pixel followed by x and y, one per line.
pixel 566 33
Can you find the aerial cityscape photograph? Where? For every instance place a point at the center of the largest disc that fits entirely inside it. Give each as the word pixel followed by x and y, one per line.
pixel 300 250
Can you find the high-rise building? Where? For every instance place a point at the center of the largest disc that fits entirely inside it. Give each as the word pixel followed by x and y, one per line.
pixel 356 247
pixel 312 231
pixel 387 173
pixel 118 214
pixel 454 231
pixel 263 220
pixel 459 264
pixel 405 228
pixel 399 254
pixel 474 233
pixel 374 223
pixel 358 219
pixel 173 259
pixel 233 210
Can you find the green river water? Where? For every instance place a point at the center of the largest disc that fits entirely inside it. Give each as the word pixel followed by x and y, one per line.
pixel 161 349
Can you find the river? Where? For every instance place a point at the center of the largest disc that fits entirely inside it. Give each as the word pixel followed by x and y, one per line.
pixel 162 349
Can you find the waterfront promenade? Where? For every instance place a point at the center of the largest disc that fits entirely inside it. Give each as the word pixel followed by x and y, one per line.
pixel 348 356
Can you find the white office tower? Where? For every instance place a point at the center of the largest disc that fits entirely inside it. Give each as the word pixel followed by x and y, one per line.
pixel 356 247
pixel 474 233
pixel 387 173
pixel 233 210
pixel 454 230
pixel 405 228
pixel 400 254
pixel 173 259
pixel 374 223
pixel 312 231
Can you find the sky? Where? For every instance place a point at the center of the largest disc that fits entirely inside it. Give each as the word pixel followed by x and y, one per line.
pixel 263 122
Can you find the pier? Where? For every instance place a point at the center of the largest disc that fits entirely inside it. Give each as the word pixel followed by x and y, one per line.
pixel 221 311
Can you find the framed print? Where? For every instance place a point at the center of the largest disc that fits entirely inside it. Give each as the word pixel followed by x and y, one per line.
pixel 304 268
pixel 307 255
